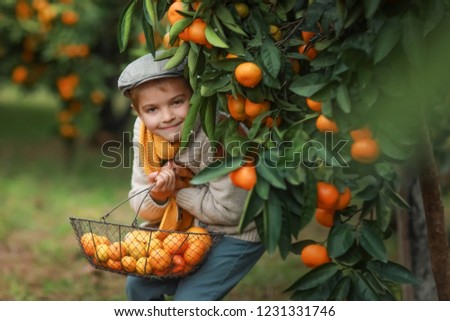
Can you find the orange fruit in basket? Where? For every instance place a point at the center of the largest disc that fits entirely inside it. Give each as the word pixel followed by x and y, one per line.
pixel 128 263
pixel 154 244
pixel 101 252
pixel 201 234
pixel 195 252
pixel 143 266
pixel 137 235
pixel 114 265
pixel 88 241
pixel 101 239
pixel 137 249
pixel 116 251
pixel 178 264
pixel 160 259
pixel 175 243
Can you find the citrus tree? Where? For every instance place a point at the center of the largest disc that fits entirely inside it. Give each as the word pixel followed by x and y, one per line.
pixel 69 48
pixel 315 104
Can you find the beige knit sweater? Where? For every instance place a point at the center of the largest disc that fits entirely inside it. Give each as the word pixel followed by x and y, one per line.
pixel 217 206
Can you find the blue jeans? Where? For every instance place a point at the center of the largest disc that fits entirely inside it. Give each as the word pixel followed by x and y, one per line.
pixel 226 264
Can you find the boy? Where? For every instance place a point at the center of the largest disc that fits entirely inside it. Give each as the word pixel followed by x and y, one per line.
pixel 161 99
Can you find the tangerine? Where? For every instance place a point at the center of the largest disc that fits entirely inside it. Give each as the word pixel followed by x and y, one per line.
pixel 114 265
pixel 253 109
pixel 175 243
pixel 327 196
pixel 88 242
pixel 244 177
pixel 310 52
pixel 128 263
pixel 196 32
pixel 160 259
pixel 325 124
pixel 195 252
pixel 361 133
pixel 143 266
pixel 242 9
pixel 116 251
pixel 365 150
pixel 344 199
pixel 19 74
pixel 324 217
pixel 314 105
pixel 179 264
pixel 173 15
pixel 314 255
pixel 307 35
pixel 248 74
pixel 236 107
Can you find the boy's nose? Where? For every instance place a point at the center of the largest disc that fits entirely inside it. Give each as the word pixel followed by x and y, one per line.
pixel 168 115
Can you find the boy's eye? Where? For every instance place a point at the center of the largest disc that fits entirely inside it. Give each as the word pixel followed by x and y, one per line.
pixel 151 109
pixel 177 102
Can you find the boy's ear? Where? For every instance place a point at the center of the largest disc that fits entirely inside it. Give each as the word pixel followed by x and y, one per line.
pixel 134 109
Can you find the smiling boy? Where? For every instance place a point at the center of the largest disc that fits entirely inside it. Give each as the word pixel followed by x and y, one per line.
pixel 161 99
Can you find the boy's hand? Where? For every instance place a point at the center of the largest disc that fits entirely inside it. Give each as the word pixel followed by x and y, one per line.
pixel 165 183
pixel 183 176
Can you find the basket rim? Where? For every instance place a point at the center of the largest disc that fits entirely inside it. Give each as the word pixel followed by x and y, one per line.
pixel 145 228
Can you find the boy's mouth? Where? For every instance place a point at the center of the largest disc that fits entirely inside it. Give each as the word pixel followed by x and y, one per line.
pixel 171 127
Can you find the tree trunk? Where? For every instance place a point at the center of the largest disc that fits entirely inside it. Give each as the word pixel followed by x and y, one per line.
pixel 413 244
pixel 434 214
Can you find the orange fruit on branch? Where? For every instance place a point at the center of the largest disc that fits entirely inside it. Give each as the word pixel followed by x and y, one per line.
pixel 365 150
pixel 361 133
pixel 244 177
pixel 314 255
pixel 173 15
pixel 307 35
pixel 309 51
pixel 327 196
pixel 344 199
pixel 314 105
pixel 236 107
pixel 325 124
pixel 253 109
pixel 248 74
pixel 324 217
pixel 196 32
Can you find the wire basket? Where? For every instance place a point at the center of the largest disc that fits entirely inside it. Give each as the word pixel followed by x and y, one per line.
pixel 141 251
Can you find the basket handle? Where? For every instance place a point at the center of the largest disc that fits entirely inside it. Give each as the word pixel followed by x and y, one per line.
pixel 134 223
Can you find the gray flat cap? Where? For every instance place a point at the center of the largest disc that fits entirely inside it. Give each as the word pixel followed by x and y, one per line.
pixel 144 69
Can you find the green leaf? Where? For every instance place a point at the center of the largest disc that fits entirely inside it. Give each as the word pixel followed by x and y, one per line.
pixel 397 199
pixel 271 57
pixel 262 187
pixel 214 39
pixel 227 19
pixel 272 214
pixel 361 289
pixel 308 85
pixel 393 272
pixel 341 290
pixel 217 169
pixel 435 13
pixel 150 12
pixel 315 277
pixel 372 242
pixel 193 58
pixel 384 212
pixel 253 207
pixel 178 27
pixel 271 174
pixel 149 37
pixel 125 25
pixel 387 38
pixel 195 104
pixel 340 240
pixel 178 57
pixel 343 99
pixel 412 40
pixel 370 6
pixel 208 117
pixel 393 148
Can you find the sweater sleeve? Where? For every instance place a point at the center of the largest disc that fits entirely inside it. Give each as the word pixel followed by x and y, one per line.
pixel 218 202
pixel 148 209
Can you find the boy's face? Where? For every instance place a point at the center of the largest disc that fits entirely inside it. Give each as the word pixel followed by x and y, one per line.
pixel 162 105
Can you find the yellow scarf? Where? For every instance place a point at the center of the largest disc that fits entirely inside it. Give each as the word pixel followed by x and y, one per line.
pixel 155 150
